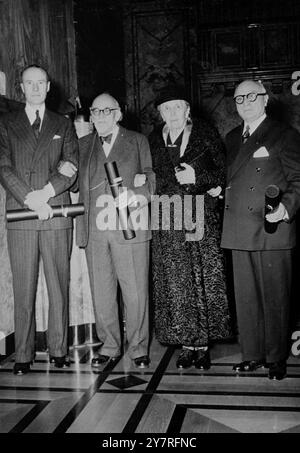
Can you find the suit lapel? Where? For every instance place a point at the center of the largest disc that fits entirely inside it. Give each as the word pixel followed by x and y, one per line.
pixel 49 127
pixel 90 146
pixel 119 149
pixel 243 152
pixel 22 128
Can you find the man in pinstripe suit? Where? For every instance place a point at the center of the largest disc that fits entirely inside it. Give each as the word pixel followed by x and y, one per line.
pixel 32 143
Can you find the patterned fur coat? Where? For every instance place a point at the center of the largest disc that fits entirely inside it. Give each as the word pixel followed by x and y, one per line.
pixel 189 283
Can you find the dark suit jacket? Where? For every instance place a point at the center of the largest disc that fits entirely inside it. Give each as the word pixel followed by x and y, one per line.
pixel 247 179
pixel 132 155
pixel 27 164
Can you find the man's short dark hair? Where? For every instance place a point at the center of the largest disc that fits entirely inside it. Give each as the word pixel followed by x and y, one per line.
pixel 36 66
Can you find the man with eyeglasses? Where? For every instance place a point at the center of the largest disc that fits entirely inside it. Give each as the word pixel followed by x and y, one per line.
pixel 261 152
pixel 111 258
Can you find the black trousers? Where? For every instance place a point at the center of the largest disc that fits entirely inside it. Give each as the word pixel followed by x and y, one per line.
pixel 262 286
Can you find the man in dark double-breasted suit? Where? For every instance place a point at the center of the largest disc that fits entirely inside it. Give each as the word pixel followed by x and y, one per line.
pixel 110 257
pixel 261 153
pixel 32 143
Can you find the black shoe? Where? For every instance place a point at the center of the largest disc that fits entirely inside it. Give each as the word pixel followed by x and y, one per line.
pixel 59 362
pixel 277 370
pixel 202 359
pixel 142 362
pixel 249 365
pixel 185 358
pixel 102 359
pixel 21 368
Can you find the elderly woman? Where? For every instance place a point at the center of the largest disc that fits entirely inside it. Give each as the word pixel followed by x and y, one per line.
pixel 189 285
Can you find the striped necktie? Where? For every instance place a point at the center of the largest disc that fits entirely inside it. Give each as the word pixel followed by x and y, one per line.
pixel 246 134
pixel 36 125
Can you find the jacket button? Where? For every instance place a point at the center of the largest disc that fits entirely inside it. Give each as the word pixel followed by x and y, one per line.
pixel 258 169
pixel 251 188
pixel 227 206
pixel 250 208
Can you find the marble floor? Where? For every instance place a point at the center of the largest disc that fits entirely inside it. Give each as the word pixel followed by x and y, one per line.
pixel 120 398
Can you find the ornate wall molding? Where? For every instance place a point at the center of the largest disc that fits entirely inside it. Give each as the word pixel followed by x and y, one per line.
pixel 157 50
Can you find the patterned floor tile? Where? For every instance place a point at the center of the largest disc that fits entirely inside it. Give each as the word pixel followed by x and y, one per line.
pixel 126 382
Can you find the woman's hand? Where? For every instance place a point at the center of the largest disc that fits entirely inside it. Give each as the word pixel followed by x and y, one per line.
pixel 139 180
pixel 186 176
pixel 215 191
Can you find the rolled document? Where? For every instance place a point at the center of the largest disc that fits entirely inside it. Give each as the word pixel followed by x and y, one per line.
pixel 115 181
pixel 272 200
pixel 69 210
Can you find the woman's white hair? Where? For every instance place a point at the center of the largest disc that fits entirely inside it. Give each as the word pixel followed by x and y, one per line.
pixel 188 119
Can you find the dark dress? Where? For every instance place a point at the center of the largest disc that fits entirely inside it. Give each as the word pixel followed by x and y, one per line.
pixel 189 286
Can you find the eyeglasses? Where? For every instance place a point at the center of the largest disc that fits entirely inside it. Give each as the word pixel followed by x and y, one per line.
pixel 106 112
pixel 250 97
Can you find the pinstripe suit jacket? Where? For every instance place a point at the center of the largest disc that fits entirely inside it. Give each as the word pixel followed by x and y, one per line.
pixel 28 164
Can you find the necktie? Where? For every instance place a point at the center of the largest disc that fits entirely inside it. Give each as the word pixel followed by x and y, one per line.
pixel 36 124
pixel 106 139
pixel 246 134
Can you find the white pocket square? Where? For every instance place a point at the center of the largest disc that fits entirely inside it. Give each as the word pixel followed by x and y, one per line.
pixel 56 137
pixel 261 152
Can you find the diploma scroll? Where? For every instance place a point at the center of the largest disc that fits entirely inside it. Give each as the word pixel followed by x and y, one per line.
pixel 69 210
pixel 272 200
pixel 115 181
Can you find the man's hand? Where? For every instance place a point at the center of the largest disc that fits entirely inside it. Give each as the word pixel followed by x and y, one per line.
pixel 37 197
pixel 44 212
pixel 215 191
pixel 278 214
pixel 125 198
pixel 67 168
pixel 139 180
pixel 42 209
pixel 186 176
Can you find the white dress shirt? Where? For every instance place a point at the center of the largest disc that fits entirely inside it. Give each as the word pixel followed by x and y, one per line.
pixel 31 112
pixel 254 125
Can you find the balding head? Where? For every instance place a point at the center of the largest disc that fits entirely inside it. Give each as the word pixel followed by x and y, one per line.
pixel 105 113
pixel 106 98
pixel 251 111
pixel 249 86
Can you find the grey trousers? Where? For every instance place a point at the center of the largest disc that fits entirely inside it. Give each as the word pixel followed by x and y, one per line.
pixel 109 263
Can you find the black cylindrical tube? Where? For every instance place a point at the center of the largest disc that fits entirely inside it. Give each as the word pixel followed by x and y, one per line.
pixel 115 181
pixel 70 210
pixel 272 200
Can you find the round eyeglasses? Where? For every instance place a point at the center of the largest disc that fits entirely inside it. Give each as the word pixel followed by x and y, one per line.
pixel 106 112
pixel 251 97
